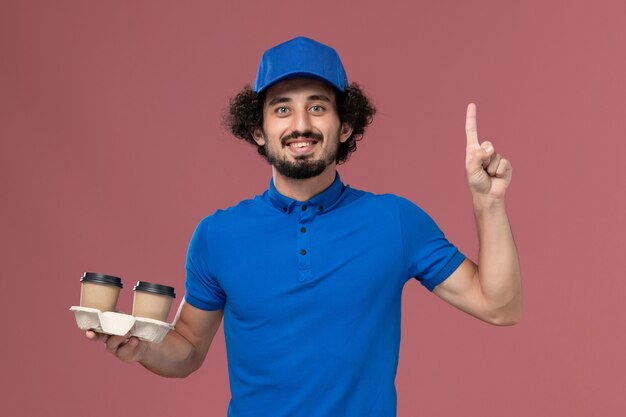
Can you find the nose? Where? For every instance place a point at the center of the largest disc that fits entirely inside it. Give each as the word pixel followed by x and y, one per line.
pixel 302 121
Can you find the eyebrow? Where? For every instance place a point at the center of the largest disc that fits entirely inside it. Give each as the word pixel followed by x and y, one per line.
pixel 317 97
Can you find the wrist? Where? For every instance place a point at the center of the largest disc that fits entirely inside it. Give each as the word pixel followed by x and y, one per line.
pixel 487 203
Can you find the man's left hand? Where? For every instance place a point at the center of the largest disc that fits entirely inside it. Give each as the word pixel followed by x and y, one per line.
pixel 488 173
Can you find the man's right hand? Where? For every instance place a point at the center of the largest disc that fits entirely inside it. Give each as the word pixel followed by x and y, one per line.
pixel 126 348
pixel 181 352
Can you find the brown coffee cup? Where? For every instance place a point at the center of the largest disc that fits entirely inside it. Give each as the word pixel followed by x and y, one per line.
pixel 152 301
pixel 99 291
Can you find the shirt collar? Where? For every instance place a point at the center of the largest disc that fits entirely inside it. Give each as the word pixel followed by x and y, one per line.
pixel 321 202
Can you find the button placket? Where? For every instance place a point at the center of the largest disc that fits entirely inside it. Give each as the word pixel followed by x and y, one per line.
pixel 305 217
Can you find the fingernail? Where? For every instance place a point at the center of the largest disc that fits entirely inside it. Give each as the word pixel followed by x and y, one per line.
pixel 489 149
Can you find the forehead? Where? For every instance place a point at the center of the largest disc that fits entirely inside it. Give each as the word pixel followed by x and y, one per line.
pixel 299 87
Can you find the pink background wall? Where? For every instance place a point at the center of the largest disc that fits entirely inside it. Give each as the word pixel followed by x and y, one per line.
pixel 111 151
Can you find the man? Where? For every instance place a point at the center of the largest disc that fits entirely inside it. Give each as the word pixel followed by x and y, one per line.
pixel 309 275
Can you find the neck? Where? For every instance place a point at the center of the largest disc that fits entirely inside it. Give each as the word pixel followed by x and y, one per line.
pixel 303 190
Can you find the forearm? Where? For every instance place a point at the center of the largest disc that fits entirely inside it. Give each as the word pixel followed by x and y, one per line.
pixel 498 261
pixel 174 357
pixel 183 350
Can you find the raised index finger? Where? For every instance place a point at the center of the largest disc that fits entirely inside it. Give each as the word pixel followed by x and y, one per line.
pixel 471 130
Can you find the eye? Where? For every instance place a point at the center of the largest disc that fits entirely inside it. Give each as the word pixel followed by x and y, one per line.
pixel 281 110
pixel 317 108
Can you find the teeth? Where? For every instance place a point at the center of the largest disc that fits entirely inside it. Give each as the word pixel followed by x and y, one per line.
pixel 300 144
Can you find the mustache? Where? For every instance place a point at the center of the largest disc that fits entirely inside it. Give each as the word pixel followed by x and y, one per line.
pixel 308 134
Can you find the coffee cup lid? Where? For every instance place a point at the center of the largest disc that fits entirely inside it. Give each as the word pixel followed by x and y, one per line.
pixel 101 279
pixel 154 288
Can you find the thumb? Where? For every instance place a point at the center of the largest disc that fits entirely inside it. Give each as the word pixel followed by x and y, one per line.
pixel 95 336
pixel 480 157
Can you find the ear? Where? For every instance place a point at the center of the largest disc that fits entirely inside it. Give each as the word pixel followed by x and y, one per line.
pixel 346 131
pixel 258 136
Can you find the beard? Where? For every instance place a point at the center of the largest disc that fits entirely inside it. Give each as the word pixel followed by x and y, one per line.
pixel 300 169
pixel 303 167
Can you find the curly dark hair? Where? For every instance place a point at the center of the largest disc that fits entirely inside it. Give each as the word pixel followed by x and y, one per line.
pixel 245 115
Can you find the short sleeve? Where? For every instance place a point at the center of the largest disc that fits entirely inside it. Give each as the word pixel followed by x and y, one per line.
pixel 429 257
pixel 203 290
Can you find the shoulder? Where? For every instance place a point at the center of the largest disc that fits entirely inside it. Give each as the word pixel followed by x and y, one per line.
pixel 227 216
pixel 391 206
pixel 411 216
pixel 392 202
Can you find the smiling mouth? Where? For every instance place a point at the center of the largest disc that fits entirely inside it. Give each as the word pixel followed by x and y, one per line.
pixel 302 146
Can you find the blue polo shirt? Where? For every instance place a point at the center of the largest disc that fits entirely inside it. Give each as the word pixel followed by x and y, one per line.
pixel 311 294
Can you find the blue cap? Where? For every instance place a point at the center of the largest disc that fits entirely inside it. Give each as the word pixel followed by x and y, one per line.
pixel 300 57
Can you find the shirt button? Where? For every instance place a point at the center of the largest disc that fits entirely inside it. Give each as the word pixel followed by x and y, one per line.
pixel 302 251
pixel 321 208
pixel 303 208
pixel 303 229
pixel 285 209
